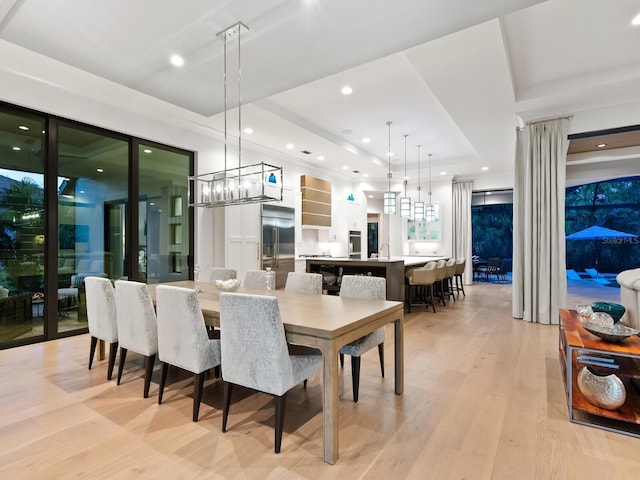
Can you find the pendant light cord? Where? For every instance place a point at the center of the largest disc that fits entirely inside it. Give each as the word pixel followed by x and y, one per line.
pixel 405 165
pixel 419 186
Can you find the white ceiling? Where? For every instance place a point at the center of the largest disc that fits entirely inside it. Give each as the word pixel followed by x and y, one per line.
pixel 455 76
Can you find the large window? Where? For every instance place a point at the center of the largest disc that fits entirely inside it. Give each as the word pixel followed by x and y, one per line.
pixel 66 213
pixel 612 204
pixel 21 226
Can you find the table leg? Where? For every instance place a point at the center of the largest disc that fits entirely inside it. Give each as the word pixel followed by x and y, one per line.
pixel 330 402
pixel 398 327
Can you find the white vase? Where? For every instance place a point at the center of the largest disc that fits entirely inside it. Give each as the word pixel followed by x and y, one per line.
pixel 604 391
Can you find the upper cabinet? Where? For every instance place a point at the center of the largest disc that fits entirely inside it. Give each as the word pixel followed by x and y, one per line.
pixel 316 201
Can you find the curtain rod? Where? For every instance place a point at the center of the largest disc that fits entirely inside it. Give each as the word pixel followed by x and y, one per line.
pixel 563 117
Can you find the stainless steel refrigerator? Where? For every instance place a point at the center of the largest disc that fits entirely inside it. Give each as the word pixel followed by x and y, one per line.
pixel 278 241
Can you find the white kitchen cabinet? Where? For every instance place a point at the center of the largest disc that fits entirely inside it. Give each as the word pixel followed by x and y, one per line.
pixel 243 232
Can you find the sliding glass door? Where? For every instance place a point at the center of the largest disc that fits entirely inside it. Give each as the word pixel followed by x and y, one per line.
pixel 21 226
pixel 92 193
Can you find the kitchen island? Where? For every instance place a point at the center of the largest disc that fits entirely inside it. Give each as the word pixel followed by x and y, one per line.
pixel 393 269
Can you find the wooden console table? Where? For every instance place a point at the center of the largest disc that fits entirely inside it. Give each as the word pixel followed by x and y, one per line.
pixel 575 341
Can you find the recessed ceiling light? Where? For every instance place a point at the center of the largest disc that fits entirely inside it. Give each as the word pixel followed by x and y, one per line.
pixel 321 158
pixel 289 146
pixel 601 145
pixel 484 169
pixel 390 154
pixel 636 20
pixel 370 196
pixel 443 173
pixel 23 127
pixel 346 90
pixel 366 140
pixel 345 167
pixel 487 193
pixel 99 170
pixel 365 175
pixel 147 150
pixel 16 148
pixel 248 130
pixel 177 60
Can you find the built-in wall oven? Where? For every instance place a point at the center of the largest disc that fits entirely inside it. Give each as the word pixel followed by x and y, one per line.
pixel 355 244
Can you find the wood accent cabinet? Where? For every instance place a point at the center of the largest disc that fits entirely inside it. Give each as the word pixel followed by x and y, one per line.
pixel 316 201
pixel 576 343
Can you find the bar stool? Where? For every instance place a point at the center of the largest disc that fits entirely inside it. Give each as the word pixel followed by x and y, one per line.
pixel 448 279
pixel 461 263
pixel 419 280
pixel 441 273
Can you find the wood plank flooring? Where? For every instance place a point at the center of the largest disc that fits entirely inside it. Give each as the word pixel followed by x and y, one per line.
pixel 483 400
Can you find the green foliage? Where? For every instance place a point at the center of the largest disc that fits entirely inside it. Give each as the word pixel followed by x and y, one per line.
pixel 612 204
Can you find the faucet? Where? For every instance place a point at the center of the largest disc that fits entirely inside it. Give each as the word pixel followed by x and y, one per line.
pixel 388 250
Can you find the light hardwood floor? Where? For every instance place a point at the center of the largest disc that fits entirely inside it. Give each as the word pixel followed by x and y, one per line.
pixel 483 400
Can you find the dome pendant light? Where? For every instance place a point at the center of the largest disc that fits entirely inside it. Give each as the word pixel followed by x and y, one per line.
pixel 389 203
pixel 405 202
pixel 430 211
pixel 418 207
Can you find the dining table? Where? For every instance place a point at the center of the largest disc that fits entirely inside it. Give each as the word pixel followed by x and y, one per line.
pixel 325 322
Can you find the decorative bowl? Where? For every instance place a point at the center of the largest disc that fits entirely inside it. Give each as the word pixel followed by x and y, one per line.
pixel 614 334
pixel 614 309
pixel 228 285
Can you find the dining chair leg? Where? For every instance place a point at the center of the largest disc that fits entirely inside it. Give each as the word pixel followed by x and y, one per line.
pixel 342 360
pixel 198 384
pixel 355 377
pixel 381 355
pixel 113 349
pixel 92 350
pixel 226 401
pixel 123 356
pixel 148 371
pixel 281 402
pixel 163 381
pixel 410 299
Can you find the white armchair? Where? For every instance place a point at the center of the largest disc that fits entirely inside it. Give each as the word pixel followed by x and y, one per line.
pixel 629 281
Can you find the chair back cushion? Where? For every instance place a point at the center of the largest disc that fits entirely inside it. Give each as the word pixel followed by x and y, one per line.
pixel 182 335
pixel 302 282
pixel 361 286
pixel 253 343
pixel 101 309
pixel 256 279
pixel 137 326
pixel 451 267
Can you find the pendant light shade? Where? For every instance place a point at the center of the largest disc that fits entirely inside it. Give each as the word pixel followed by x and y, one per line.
pixel 418 207
pixel 405 201
pixel 389 203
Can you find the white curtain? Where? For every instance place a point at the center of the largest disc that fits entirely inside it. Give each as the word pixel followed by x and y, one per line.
pixel 462 226
pixel 539 277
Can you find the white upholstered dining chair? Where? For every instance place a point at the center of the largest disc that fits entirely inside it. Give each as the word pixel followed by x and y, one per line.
pixel 303 282
pixel 182 338
pixel 137 326
pixel 256 279
pixel 102 318
pixel 255 354
pixel 374 288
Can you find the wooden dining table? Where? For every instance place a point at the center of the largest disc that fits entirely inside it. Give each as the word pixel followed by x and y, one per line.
pixel 325 322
